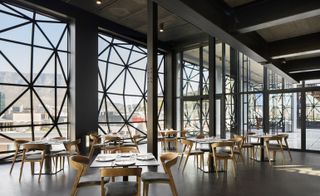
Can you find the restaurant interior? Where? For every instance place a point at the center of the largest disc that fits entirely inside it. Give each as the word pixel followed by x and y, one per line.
pixel 159 97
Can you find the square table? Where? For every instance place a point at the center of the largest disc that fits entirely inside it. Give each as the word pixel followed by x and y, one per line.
pixel 133 159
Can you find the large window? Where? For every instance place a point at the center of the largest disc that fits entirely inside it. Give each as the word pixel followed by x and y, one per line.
pixel 34 75
pixel 195 88
pixel 123 87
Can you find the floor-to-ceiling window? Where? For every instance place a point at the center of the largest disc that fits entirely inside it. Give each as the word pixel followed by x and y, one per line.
pixel 194 89
pixel 122 89
pixel 34 76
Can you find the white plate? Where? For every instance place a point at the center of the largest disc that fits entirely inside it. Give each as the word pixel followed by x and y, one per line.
pixel 124 163
pixel 145 157
pixel 105 159
pixel 125 155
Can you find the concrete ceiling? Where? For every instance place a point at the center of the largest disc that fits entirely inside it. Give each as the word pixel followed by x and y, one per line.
pixel 133 14
pixel 269 31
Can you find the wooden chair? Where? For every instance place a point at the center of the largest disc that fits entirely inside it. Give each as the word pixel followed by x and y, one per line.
pixel 72 148
pixel 169 137
pixel 168 160
pixel 95 143
pixel 274 144
pixel 111 142
pixel 223 151
pixel 134 143
pixel 125 149
pixel 188 151
pixel 250 146
pixel 237 150
pixel 38 157
pixel 127 188
pixel 285 144
pixel 80 164
pixel 18 152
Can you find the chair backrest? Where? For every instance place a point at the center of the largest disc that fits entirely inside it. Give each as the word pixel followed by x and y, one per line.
pixel 125 149
pixel 284 137
pixel 183 134
pixel 59 138
pixel 114 172
pixel 187 145
pixel 95 139
pixel 72 145
pixel 109 139
pixel 79 163
pixel 29 147
pixel 238 140
pixel 168 160
pixel 19 142
pixel 224 144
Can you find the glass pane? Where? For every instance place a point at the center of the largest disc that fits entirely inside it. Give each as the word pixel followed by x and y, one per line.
pixel 313 120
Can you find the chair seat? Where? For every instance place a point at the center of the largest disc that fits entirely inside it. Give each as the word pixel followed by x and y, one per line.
pixel 31 157
pixel 247 145
pixel 154 176
pixel 195 152
pixel 65 153
pixel 93 178
pixel 122 188
pixel 222 155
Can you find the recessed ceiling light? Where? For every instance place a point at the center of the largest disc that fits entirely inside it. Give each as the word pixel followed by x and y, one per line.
pixel 98 2
pixel 161 27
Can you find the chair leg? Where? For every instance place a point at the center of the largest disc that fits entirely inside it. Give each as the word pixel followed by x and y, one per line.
pixel 173 188
pixel 32 168
pixel 185 163
pixel 289 154
pixel 216 166
pixel 145 189
pixel 180 160
pixel 14 160
pixel 234 167
pixel 41 165
pixel 225 166
pixel 21 170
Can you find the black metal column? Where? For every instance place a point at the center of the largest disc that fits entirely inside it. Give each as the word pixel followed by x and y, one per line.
pixel 265 101
pixel 303 120
pixel 152 74
pixel 223 97
pixel 83 110
pixel 168 90
pixel 212 86
pixel 201 88
pixel 234 72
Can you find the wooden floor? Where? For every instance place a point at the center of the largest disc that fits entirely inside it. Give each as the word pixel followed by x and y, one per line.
pixel 297 178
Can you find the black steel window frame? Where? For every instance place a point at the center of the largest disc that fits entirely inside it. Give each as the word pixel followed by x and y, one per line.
pixel 132 47
pixel 30 83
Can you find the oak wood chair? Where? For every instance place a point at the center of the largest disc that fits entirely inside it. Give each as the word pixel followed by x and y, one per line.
pixel 119 188
pixel 285 144
pixel 83 177
pixel 32 158
pixel 274 144
pixel 71 148
pixel 18 152
pixel 125 149
pixel 168 160
pixel 188 151
pixel 223 151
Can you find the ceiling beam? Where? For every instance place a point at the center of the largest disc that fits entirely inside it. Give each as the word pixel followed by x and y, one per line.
pixel 264 14
pixel 306 76
pixel 302 65
pixel 212 18
pixel 295 45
